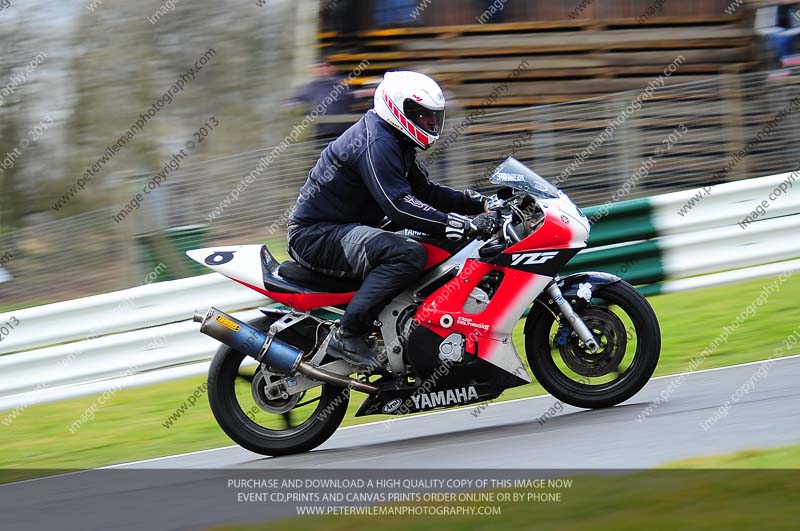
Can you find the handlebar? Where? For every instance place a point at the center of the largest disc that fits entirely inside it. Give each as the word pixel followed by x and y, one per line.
pixel 509 214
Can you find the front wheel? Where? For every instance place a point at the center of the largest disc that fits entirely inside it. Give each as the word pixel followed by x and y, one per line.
pixel 299 423
pixel 627 331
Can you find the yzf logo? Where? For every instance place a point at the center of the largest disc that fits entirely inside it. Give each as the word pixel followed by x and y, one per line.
pixel 532 258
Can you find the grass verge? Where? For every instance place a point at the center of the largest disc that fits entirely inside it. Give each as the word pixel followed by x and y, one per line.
pixel 762 458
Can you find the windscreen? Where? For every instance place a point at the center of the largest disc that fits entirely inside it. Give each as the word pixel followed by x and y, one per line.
pixel 516 175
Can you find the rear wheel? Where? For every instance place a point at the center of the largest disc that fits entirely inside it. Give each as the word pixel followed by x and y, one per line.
pixel 627 330
pixel 265 425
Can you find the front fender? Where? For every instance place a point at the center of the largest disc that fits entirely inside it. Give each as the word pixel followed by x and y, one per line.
pixel 586 283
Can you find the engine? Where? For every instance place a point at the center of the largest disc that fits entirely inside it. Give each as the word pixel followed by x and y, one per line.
pixel 451 350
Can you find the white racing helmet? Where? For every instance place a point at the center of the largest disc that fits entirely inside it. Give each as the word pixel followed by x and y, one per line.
pixel 413 103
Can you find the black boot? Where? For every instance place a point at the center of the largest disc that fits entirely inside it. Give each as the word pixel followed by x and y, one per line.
pixel 353 348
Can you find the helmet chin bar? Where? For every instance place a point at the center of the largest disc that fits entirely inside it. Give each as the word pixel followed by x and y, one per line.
pixel 427 147
pixel 430 139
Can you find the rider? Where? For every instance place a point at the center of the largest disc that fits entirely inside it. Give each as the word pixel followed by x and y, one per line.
pixel 369 172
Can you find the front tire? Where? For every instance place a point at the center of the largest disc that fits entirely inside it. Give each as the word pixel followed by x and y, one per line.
pixel 609 377
pixel 259 430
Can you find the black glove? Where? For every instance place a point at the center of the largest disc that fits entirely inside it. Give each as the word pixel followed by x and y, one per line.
pixel 483 226
pixel 476 201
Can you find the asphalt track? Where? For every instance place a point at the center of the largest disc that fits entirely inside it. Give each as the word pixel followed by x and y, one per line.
pixel 505 435
pixel 510 434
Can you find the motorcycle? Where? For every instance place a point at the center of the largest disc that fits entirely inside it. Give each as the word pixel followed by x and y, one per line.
pixel 591 339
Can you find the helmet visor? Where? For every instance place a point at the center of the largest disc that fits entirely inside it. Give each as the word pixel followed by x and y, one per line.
pixel 428 120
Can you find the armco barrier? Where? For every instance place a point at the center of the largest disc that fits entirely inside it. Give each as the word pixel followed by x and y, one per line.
pixel 123 311
pixel 651 240
pixel 113 361
pixel 142 335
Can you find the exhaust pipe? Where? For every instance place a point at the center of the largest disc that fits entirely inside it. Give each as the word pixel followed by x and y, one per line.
pixel 279 356
pixel 316 373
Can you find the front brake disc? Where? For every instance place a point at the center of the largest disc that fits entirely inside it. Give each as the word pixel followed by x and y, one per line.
pixel 609 331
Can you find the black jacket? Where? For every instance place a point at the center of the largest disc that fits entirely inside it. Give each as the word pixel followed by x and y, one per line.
pixel 369 172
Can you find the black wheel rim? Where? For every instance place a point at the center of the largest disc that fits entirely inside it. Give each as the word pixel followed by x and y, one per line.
pixel 619 334
pixel 238 380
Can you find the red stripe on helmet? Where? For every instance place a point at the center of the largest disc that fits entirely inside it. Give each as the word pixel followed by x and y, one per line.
pixel 406 123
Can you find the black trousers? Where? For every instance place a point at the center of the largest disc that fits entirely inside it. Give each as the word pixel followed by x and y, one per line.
pixel 388 262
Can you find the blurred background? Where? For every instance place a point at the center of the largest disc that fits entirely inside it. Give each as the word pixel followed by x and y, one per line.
pixel 534 79
pixel 133 131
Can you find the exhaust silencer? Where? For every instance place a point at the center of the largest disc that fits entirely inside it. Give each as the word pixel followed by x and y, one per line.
pixel 278 355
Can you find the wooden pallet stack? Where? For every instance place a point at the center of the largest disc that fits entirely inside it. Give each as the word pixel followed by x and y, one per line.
pixel 603 50
pixel 578 57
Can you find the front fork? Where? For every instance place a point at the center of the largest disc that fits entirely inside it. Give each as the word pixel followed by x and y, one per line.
pixel 572 318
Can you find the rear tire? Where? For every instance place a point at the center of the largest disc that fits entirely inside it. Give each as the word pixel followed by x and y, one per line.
pixel 540 348
pixel 242 428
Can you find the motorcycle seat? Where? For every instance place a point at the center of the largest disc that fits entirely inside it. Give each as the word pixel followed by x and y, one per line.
pixel 311 280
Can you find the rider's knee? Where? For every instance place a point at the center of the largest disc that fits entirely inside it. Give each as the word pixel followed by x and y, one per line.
pixel 416 255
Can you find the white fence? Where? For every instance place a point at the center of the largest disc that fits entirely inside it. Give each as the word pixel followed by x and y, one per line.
pixel 145 334
pixel 114 340
pixel 124 311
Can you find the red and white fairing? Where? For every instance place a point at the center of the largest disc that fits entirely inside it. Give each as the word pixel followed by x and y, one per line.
pixel 245 264
pixel 564 232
